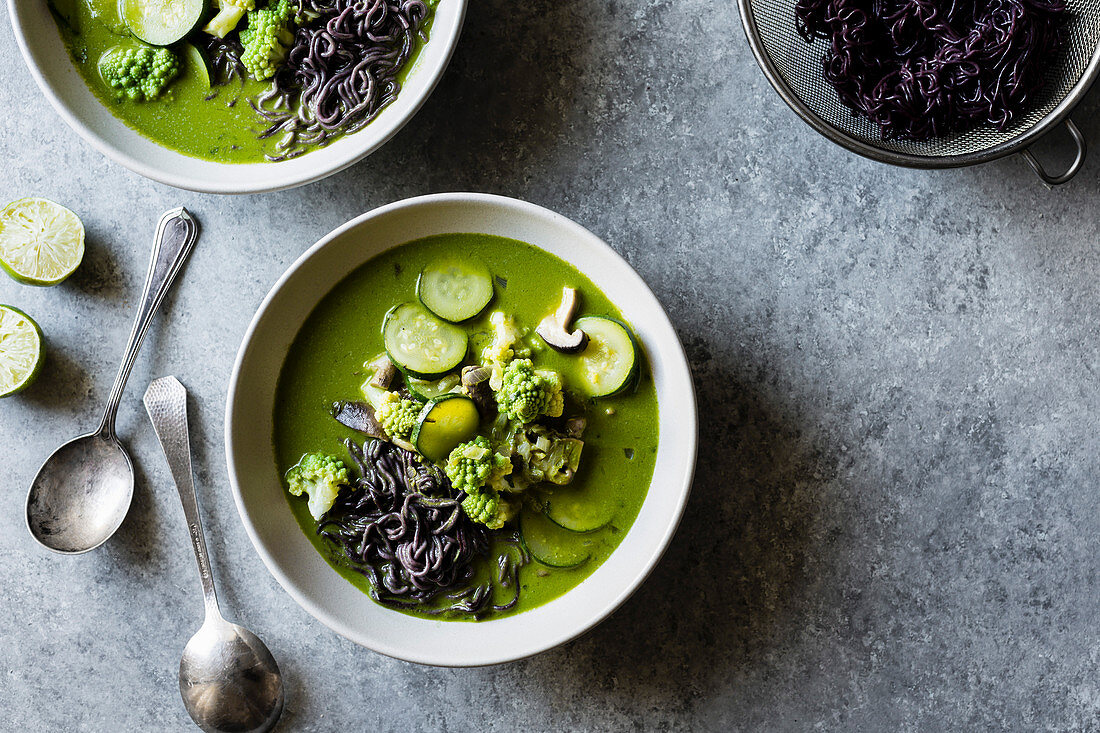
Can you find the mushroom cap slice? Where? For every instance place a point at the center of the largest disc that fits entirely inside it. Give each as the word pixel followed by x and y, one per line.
pixel 554 329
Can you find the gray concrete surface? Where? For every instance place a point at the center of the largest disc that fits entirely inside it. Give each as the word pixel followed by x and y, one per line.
pixel 894 524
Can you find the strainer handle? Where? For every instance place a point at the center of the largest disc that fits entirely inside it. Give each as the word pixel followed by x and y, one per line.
pixel 1078 140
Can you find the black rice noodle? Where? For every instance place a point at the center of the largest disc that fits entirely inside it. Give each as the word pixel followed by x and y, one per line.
pixel 927 68
pixel 402 526
pixel 224 56
pixel 341 71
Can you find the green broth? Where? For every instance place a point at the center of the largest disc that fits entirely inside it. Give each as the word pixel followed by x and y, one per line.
pixel 216 124
pixel 325 365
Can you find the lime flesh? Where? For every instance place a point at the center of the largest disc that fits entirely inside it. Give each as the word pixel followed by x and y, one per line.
pixel 20 350
pixel 41 243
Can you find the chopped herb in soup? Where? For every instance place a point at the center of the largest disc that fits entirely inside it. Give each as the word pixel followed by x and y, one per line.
pixel 467 427
pixel 242 81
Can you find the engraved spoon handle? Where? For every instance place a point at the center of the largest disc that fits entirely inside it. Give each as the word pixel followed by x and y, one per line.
pixel 166 403
pixel 176 233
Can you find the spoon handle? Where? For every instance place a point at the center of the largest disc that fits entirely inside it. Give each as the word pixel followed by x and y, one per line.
pixel 166 403
pixel 177 231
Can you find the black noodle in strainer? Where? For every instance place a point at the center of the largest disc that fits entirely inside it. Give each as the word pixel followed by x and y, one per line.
pixel 928 68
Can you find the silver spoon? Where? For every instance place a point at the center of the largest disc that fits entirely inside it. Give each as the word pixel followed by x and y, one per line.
pixel 83 491
pixel 228 679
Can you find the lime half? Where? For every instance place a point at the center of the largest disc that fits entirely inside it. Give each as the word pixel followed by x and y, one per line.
pixel 20 350
pixel 41 242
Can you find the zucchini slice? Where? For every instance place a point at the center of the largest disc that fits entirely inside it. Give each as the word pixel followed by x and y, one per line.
pixel 426 390
pixel 445 422
pixel 551 545
pixel 575 511
pixel 195 65
pixel 420 344
pixel 609 363
pixel 455 289
pixel 161 22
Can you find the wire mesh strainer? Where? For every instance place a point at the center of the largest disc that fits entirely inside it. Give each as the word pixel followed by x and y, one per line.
pixel 793 67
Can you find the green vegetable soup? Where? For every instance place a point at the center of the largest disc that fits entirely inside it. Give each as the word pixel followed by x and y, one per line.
pixel 198 109
pixel 582 520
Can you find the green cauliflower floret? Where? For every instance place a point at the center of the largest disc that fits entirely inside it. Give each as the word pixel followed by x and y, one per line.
pixel 396 415
pixel 486 507
pixel 505 336
pixel 473 464
pixel 230 13
pixel 526 393
pixel 267 38
pixel 470 466
pixel 319 476
pixel 506 343
pixel 140 73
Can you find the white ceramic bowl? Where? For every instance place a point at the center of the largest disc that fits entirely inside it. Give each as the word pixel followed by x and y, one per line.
pixel 258 488
pixel 49 63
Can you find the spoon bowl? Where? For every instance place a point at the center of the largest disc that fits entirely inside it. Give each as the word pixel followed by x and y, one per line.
pixel 229 680
pixel 83 491
pixel 81 494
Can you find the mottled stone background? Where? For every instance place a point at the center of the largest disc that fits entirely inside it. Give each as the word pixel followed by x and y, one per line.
pixel 894 522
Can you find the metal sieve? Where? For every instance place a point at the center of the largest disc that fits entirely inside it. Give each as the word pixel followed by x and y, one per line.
pixel 794 69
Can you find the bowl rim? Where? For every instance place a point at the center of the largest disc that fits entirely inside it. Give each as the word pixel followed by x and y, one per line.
pixel 687 423
pixel 268 178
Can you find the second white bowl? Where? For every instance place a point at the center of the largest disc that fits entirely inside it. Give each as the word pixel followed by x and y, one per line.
pixel 49 63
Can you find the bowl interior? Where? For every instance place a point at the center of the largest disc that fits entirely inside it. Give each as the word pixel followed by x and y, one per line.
pixel 49 63
pixel 258 487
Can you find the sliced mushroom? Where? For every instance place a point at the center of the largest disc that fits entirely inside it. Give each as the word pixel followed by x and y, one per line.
pixel 384 372
pixel 554 329
pixel 358 416
pixel 475 383
pixel 574 427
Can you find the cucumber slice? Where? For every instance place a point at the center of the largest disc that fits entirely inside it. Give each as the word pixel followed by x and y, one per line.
pixel 445 422
pixel 427 390
pixel 162 22
pixel 195 66
pixel 609 364
pixel 551 545
pixel 575 511
pixel 420 344
pixel 455 289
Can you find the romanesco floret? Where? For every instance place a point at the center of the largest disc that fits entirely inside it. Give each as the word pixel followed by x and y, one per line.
pixel 140 73
pixel 396 415
pixel 526 394
pixel 471 465
pixel 266 39
pixel 486 507
pixel 319 476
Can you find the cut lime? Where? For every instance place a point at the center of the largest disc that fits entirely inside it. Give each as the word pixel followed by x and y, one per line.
pixel 41 242
pixel 20 350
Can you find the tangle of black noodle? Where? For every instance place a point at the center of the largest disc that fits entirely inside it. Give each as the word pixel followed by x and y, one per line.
pixel 341 71
pixel 224 56
pixel 925 68
pixel 402 526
